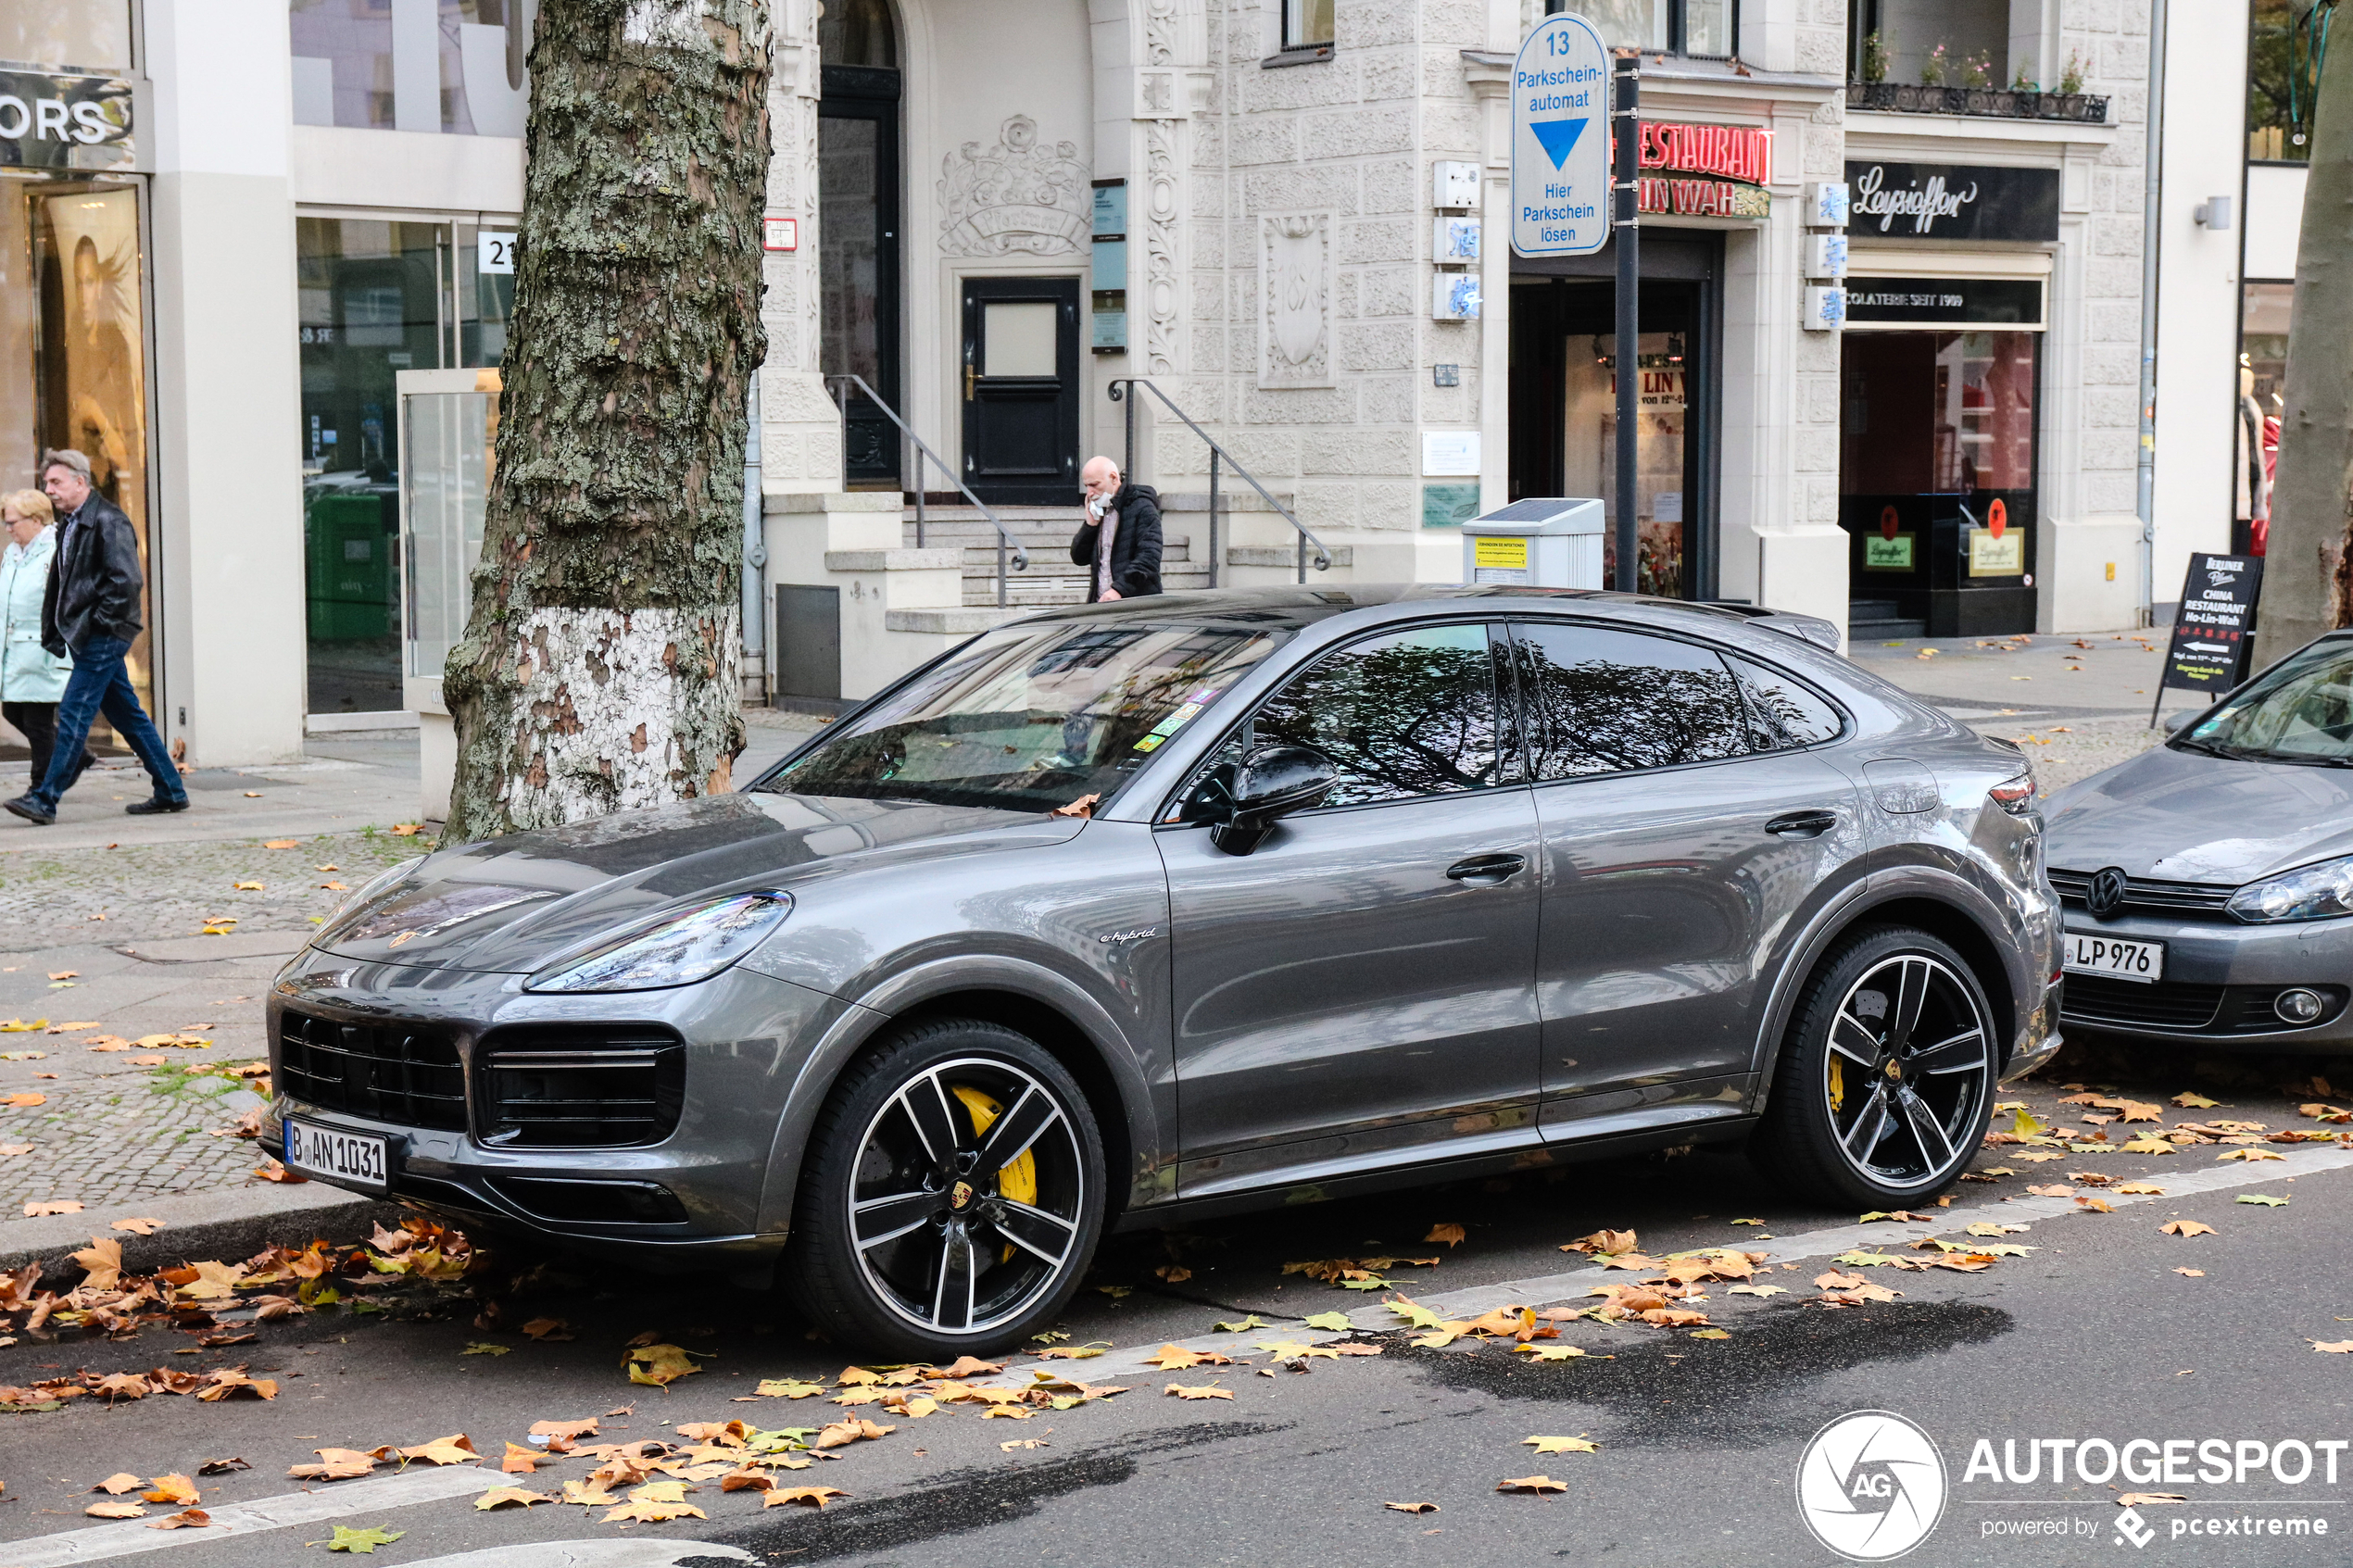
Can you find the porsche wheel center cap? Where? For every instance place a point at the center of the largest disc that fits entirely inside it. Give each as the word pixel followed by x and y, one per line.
pixel 960 1196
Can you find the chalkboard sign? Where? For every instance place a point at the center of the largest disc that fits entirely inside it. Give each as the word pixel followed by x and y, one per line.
pixel 2214 633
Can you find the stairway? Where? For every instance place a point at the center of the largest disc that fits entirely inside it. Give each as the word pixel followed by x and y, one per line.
pixel 1878 621
pixel 1045 532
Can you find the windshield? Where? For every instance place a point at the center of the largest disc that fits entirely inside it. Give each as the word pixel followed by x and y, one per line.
pixel 1032 718
pixel 2301 711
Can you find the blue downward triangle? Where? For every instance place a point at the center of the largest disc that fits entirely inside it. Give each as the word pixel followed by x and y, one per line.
pixel 1557 136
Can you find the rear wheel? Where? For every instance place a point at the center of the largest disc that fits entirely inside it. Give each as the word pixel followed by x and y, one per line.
pixel 1887 1076
pixel 952 1195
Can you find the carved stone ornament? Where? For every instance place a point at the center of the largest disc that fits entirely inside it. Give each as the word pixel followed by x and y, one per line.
pixel 1017 198
pixel 1295 260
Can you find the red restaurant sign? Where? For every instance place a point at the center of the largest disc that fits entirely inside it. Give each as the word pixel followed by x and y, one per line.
pixel 1733 160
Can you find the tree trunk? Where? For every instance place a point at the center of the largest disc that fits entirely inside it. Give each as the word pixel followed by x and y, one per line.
pixel 597 671
pixel 2304 590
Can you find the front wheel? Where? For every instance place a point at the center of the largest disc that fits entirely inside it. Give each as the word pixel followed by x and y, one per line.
pixel 1887 1077
pixel 953 1197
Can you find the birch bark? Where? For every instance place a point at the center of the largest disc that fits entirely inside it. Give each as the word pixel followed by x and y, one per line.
pixel 599 668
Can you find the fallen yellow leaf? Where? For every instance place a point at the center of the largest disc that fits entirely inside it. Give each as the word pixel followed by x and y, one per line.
pixel 1534 1485
pixel 1201 1391
pixel 1562 1444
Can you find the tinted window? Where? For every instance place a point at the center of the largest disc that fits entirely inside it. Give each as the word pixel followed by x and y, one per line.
pixel 1412 713
pixel 1603 701
pixel 2300 710
pixel 1782 712
pixel 1031 717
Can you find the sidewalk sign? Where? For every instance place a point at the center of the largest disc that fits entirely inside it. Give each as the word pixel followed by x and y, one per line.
pixel 2214 632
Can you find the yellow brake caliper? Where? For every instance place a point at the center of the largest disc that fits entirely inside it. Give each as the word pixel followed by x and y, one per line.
pixel 1838 1086
pixel 1018 1180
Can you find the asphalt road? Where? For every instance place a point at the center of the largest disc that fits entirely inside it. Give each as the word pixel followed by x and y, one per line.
pixel 2093 1334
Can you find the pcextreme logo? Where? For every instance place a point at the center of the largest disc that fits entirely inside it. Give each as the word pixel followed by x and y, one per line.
pixel 1871 1486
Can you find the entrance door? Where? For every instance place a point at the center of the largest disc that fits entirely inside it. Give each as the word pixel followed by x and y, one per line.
pixel 858 258
pixel 1021 390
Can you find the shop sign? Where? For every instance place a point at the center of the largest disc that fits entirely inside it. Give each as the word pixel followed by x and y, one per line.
pixel 1730 161
pixel 49 121
pixel 1944 302
pixel 2214 633
pixel 1996 549
pixel 1952 201
pixel 1660 387
pixel 1891 548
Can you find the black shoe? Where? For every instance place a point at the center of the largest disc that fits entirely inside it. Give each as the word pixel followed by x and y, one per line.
pixel 154 807
pixel 31 811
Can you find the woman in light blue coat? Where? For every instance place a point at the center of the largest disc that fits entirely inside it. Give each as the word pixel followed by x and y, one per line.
pixel 32 679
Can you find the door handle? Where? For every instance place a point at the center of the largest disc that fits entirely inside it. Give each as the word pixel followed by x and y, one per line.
pixel 968 382
pixel 1487 871
pixel 1802 824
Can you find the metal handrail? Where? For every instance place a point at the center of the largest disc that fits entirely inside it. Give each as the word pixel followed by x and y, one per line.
pixel 1004 539
pixel 1216 454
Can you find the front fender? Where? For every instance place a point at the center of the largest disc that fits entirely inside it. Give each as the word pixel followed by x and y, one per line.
pixel 1148 1121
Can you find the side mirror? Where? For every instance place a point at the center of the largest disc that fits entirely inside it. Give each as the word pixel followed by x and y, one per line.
pixel 2177 722
pixel 1272 783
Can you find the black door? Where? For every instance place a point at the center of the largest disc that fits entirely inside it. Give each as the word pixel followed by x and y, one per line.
pixel 1021 390
pixel 858 258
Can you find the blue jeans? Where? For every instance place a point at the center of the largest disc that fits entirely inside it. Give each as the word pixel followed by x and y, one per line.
pixel 98 685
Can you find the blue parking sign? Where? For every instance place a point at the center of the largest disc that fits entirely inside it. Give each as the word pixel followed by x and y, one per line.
pixel 1560 140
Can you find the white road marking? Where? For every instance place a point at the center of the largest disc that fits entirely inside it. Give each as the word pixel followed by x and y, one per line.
pixel 643 1553
pixel 1536 1291
pixel 106 1541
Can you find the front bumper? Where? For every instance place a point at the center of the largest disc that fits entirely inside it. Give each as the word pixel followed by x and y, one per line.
pixel 689 1189
pixel 2221 980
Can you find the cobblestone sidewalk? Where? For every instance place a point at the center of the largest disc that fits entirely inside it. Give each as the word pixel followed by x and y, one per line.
pixel 126 1136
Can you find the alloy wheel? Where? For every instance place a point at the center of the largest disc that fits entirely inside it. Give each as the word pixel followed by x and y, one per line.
pixel 1908 1068
pixel 967 1195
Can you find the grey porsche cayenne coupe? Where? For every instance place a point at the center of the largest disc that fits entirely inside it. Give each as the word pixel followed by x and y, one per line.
pixel 1181 905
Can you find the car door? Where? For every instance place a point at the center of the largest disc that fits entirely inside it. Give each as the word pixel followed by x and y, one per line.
pixel 1684 827
pixel 1365 981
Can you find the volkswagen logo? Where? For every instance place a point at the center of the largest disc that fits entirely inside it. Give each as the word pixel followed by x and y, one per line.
pixel 1871 1486
pixel 2106 894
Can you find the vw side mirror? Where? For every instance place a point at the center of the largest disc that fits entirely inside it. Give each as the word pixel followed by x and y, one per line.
pixel 1272 783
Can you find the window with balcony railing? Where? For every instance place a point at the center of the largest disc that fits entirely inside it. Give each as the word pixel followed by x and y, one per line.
pixel 1709 28
pixel 440 66
pixel 1958 57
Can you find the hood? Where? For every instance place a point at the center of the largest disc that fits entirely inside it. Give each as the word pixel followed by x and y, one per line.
pixel 2188 818
pixel 509 905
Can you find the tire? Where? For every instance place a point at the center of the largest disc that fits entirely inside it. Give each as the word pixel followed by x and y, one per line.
pixel 1870 1110
pixel 917 1235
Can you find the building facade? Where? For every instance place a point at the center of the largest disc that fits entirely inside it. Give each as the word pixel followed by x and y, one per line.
pixel 272 292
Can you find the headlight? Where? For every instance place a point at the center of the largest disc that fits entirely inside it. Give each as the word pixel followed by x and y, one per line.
pixel 2317 892
pixel 676 948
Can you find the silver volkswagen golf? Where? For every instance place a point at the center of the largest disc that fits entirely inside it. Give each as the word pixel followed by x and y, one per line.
pixel 1180 905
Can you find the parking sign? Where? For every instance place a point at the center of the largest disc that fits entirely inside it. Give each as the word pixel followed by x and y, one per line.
pixel 1560 141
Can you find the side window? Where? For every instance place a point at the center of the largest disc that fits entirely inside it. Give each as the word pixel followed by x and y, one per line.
pixel 1604 701
pixel 1412 713
pixel 1782 713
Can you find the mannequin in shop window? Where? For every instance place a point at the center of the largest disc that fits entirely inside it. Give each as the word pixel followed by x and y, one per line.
pixel 2257 449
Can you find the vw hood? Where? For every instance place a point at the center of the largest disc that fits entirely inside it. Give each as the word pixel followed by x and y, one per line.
pixel 2191 818
pixel 509 905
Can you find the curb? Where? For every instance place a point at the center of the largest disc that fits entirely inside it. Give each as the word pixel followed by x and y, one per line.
pixel 230 1224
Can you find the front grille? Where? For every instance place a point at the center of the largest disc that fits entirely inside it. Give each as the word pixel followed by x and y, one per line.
pixel 2087 999
pixel 570 1091
pixel 2149 895
pixel 396 1073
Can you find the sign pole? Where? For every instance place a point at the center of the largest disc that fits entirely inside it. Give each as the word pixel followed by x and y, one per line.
pixel 1625 90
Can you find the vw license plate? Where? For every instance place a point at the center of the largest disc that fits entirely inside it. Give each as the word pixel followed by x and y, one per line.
pixel 2114 957
pixel 344 1157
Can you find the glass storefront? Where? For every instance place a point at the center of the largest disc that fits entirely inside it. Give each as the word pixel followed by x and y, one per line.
pixel 2262 399
pixel 1564 410
pixel 73 351
pixel 1936 481
pixel 379 295
pixel 408 65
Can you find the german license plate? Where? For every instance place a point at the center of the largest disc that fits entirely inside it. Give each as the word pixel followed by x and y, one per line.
pixel 355 1157
pixel 2114 957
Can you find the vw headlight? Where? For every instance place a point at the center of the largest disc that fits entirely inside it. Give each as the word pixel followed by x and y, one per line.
pixel 676 948
pixel 2315 892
